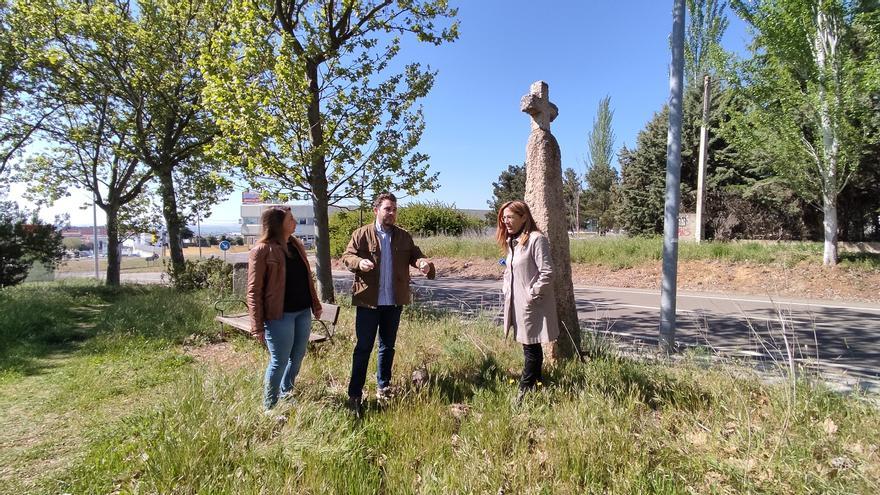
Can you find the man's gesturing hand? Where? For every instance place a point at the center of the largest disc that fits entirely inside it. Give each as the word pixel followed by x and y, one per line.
pixel 424 266
pixel 365 265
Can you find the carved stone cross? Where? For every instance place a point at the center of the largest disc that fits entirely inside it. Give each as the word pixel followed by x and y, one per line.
pixel 537 104
pixel 544 197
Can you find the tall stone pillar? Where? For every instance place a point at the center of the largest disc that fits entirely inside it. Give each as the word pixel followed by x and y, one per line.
pixel 545 199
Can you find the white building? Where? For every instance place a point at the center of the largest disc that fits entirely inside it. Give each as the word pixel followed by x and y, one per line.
pixel 252 209
pixel 86 235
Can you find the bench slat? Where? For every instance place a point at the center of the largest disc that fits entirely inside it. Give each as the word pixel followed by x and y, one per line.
pixel 243 322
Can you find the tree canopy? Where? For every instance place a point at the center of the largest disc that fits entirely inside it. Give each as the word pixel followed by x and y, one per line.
pixel 306 92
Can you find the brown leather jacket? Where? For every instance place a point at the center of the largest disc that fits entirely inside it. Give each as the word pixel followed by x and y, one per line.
pixel 365 244
pixel 267 265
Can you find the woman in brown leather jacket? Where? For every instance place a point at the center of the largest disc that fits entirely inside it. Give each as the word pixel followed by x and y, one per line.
pixel 281 299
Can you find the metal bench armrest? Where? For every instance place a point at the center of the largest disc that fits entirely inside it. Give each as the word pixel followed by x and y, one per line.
pixel 225 304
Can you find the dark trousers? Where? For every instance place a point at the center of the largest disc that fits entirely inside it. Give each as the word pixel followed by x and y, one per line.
pixel 385 320
pixel 534 358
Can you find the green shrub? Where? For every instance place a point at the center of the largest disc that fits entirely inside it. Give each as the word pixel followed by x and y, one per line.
pixel 24 240
pixel 435 218
pixel 420 219
pixel 342 224
pixel 212 273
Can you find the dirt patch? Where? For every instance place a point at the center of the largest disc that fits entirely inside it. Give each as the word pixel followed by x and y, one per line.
pixel 220 354
pixel 805 280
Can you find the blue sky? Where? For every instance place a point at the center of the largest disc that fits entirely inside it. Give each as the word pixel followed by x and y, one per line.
pixel 583 49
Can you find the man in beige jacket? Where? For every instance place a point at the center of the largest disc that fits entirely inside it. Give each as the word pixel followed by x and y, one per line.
pixel 380 255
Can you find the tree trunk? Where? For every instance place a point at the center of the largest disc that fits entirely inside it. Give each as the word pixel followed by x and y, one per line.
pixel 829 223
pixel 113 258
pixel 323 269
pixel 824 55
pixel 172 217
pixel 318 182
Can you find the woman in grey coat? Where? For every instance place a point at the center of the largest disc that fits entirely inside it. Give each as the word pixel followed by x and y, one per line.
pixel 529 299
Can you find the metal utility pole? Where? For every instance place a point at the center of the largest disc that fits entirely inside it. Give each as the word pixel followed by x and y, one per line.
pixel 668 288
pixel 701 174
pixel 95 234
pixel 199 232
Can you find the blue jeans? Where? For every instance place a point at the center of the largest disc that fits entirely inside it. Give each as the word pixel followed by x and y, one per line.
pixel 385 319
pixel 287 340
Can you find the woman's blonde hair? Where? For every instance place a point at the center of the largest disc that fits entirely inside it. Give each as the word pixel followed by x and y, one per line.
pixel 529 226
pixel 273 225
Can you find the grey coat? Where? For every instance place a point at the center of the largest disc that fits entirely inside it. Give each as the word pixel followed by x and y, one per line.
pixel 529 298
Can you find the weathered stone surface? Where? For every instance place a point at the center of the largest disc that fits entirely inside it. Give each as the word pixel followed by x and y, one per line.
pixel 537 104
pixel 239 279
pixel 544 197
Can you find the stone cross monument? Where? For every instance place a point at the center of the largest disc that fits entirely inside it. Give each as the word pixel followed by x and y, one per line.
pixel 544 197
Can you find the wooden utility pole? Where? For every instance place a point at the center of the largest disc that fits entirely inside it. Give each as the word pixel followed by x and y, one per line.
pixel 701 184
pixel 668 288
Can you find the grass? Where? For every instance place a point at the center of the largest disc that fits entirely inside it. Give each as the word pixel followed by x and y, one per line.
pixel 623 252
pixel 135 264
pixel 130 264
pixel 119 407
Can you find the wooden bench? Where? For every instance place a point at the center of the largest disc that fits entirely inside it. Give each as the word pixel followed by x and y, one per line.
pixel 241 321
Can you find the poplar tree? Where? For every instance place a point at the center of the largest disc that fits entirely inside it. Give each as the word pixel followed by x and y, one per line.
pixel 805 83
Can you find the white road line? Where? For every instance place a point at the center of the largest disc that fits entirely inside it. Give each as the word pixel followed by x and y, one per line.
pixel 707 313
pixel 616 305
pixel 728 298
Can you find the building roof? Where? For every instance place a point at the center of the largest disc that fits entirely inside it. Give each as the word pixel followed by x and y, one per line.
pixel 82 231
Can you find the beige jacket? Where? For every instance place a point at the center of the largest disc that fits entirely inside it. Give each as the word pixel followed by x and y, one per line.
pixel 529 298
pixel 365 245
pixel 267 269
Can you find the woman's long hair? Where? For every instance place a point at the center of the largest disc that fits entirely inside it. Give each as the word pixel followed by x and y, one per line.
pixel 273 225
pixel 529 226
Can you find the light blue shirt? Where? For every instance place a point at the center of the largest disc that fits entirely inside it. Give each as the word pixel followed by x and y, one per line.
pixel 386 268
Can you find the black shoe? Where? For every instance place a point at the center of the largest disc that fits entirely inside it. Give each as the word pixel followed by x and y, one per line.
pixel 356 406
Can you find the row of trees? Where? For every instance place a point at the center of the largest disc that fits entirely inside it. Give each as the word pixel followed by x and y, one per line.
pixel 794 132
pixel 157 105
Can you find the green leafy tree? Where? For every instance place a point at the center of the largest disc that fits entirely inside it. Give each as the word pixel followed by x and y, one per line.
pixel 601 177
pixel 25 240
pixel 859 203
pixel 745 198
pixel 511 185
pixel 806 85
pixel 305 89
pixel 571 197
pixel 703 53
pixel 643 179
pixel 89 151
pixel 145 57
pixel 20 85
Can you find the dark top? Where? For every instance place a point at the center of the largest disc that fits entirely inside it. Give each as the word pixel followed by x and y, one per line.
pixel 296 283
